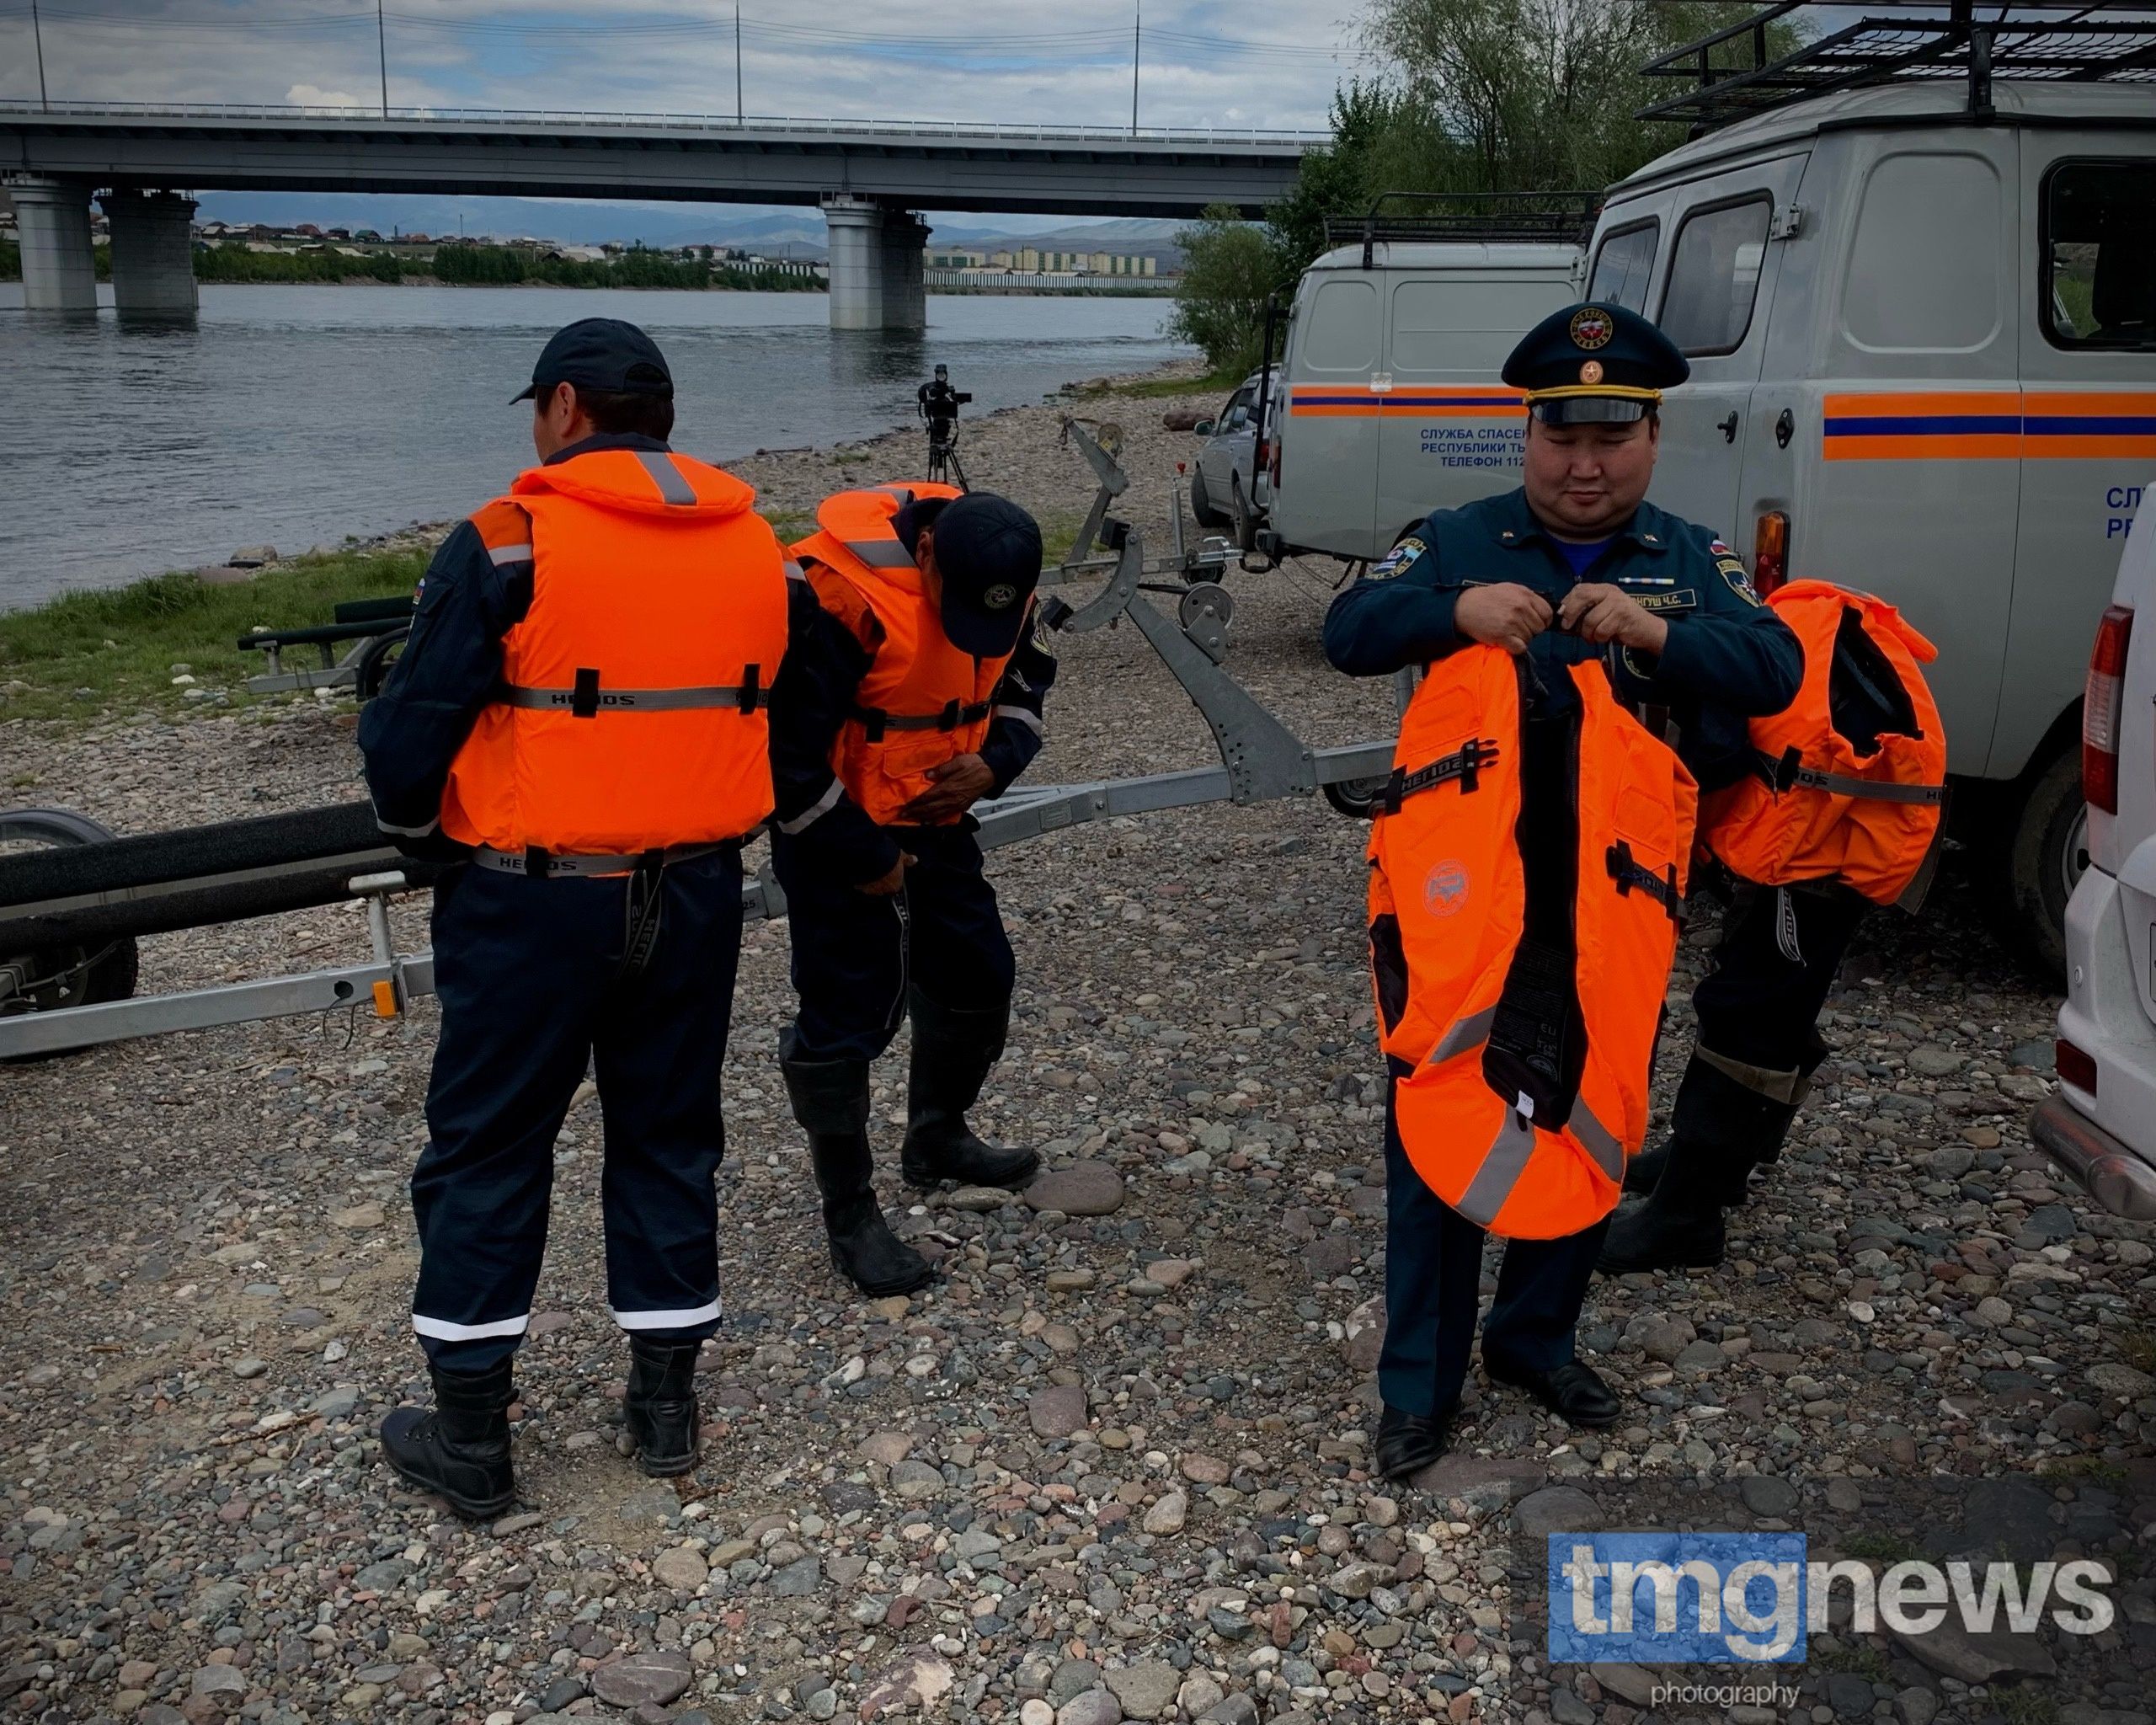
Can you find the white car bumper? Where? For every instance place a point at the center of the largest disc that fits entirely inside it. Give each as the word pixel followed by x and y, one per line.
pixel 2106 1138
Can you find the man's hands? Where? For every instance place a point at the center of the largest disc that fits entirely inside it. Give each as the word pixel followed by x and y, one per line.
pixel 1597 611
pixel 886 886
pixel 958 784
pixel 1504 614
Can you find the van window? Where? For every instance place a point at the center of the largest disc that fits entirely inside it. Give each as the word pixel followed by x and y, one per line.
pixel 1459 324
pixel 1343 327
pixel 2100 254
pixel 1925 271
pixel 1714 276
pixel 1622 266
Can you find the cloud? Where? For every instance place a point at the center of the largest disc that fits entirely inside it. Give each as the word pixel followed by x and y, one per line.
pixel 314 96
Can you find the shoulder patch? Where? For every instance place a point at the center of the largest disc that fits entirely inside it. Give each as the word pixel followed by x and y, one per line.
pixel 1397 560
pixel 1740 584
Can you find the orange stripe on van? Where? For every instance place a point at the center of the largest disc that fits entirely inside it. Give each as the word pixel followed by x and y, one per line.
pixel 1970 424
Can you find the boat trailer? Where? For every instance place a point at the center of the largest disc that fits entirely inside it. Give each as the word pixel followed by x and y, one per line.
pixel 73 905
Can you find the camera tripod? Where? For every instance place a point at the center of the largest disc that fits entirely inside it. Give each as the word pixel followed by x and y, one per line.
pixel 943 453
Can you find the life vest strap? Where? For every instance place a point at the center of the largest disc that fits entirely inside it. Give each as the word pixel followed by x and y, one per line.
pixel 875 721
pixel 1464 764
pixel 534 863
pixel 1790 773
pixel 587 698
pixel 1630 873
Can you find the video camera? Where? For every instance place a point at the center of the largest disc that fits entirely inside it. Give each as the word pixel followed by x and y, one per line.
pixel 939 404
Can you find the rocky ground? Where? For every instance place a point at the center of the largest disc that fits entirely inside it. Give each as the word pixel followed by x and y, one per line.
pixel 1115 1463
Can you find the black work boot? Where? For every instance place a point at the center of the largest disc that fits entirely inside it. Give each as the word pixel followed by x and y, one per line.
pixel 1722 1130
pixel 459 1449
pixel 830 1100
pixel 1408 1442
pixel 955 1049
pixel 661 1405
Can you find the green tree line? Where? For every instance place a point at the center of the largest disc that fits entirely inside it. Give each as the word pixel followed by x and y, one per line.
pixel 1476 96
pixel 463 264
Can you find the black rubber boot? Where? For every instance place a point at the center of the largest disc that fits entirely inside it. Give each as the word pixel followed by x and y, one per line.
pixel 1722 1130
pixel 661 1405
pixel 458 1449
pixel 955 1049
pixel 1701 1108
pixel 830 1100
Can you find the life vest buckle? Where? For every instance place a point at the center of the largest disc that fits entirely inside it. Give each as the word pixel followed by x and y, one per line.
pixel 752 687
pixel 583 698
pixel 1628 873
pixel 1464 764
pixel 953 715
pixel 872 720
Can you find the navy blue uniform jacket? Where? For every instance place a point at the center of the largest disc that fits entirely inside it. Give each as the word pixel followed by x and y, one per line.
pixel 1729 657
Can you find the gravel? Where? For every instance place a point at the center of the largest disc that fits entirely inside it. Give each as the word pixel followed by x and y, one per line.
pixel 1116 1461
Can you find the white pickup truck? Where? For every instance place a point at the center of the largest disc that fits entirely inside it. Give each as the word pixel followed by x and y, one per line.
pixel 2101 1126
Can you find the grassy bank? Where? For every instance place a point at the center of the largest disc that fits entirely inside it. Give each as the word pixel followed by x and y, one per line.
pixel 1154 388
pixel 87 654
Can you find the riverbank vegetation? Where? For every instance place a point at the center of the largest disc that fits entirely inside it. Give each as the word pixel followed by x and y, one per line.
pixel 1481 96
pixel 88 654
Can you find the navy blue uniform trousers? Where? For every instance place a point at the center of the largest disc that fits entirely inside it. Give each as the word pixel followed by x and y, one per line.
pixel 535 986
pixel 855 955
pixel 1432 1284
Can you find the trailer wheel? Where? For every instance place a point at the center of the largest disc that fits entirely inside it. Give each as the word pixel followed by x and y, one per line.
pixel 1357 799
pixel 2036 861
pixel 64 976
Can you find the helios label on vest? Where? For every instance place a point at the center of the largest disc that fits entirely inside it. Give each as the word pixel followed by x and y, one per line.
pixel 1724 1599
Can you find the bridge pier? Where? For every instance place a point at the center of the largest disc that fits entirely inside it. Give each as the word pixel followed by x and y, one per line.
pixel 876 276
pixel 153 253
pixel 52 220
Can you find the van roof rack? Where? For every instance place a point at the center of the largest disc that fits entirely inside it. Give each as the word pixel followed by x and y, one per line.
pixel 1734 73
pixel 1554 218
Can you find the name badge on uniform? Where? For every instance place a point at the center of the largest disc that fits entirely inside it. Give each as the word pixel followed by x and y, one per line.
pixel 1684 599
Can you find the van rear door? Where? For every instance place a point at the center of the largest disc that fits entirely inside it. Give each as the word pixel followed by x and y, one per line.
pixel 1329 439
pixel 1451 430
pixel 1714 297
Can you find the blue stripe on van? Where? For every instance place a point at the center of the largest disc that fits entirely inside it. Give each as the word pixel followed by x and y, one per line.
pixel 2088 424
pixel 1925 425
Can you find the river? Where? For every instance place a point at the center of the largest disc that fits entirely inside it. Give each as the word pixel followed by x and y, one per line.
pixel 295 416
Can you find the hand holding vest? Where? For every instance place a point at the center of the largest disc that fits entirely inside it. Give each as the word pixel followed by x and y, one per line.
pixel 1527 877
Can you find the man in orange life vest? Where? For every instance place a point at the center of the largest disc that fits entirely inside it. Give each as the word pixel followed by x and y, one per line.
pixel 580 719
pixel 917 692
pixel 1575 566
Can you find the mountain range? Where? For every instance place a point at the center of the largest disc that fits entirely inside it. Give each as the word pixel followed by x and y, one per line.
pixel 780 230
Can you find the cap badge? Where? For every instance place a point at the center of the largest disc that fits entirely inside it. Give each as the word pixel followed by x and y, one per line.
pixel 1000 597
pixel 1591 371
pixel 1592 328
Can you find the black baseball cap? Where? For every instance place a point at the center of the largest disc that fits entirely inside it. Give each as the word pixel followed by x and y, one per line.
pixel 601 353
pixel 988 552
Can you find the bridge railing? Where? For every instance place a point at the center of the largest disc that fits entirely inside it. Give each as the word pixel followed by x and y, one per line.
pixel 1043 133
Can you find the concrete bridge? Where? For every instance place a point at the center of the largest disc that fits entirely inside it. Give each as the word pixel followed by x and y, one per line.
pixel 869 177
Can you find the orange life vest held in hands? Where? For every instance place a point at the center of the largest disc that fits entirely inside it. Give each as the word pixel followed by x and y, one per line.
pixel 923 702
pixel 1526 878
pixel 1851 778
pixel 631 715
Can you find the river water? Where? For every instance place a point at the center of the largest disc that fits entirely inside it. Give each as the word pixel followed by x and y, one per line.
pixel 294 416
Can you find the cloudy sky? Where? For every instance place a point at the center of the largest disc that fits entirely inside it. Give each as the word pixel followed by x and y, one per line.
pixel 1202 63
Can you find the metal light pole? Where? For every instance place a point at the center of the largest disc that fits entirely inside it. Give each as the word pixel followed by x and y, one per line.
pixel 1137 29
pixel 382 43
pixel 739 116
pixel 37 31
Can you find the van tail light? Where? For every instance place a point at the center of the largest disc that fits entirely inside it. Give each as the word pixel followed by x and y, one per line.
pixel 1276 465
pixel 1771 553
pixel 2075 1066
pixel 2100 709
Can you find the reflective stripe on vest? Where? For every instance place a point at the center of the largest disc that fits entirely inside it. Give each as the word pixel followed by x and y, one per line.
pixel 1849 781
pixel 1526 1028
pixel 587 698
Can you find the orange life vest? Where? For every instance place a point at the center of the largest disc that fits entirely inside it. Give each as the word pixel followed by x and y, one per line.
pixel 1851 777
pixel 631 716
pixel 1526 880
pixel 923 702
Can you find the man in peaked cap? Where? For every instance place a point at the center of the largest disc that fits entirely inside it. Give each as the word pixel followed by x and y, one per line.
pixel 1574 565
